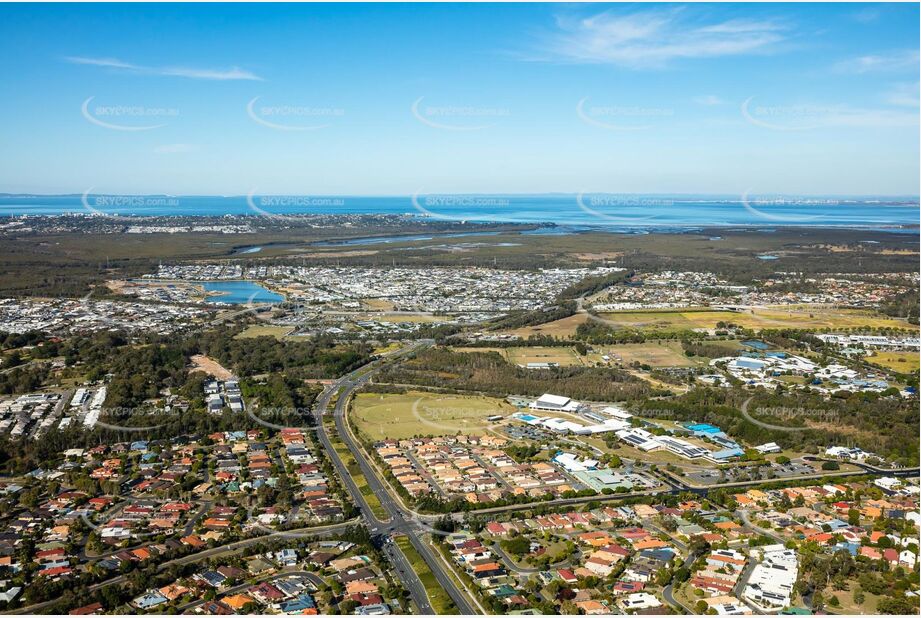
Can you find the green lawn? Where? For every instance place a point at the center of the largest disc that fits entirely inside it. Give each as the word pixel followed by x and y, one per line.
pixel 359 478
pixel 418 413
pixel 441 602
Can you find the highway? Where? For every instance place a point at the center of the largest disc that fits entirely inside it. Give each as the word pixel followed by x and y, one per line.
pixel 399 519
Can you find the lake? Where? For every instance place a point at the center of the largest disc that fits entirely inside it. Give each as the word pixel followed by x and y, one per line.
pixel 239 292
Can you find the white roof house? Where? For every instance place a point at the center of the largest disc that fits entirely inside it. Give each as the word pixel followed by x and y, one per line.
pixel 640 600
pixel 770 585
pixel 888 483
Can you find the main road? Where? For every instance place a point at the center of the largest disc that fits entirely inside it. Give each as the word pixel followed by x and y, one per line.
pixel 399 520
pixel 402 520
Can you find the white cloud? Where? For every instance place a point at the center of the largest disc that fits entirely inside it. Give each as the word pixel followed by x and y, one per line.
pixel 114 63
pixel 233 73
pixel 653 38
pixel 875 63
pixel 803 116
pixel 865 16
pixel 903 94
pixel 709 100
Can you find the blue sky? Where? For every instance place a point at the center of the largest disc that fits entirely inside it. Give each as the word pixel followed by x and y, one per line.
pixel 390 100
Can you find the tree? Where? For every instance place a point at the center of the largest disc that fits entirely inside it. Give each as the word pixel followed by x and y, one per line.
pixel 853 517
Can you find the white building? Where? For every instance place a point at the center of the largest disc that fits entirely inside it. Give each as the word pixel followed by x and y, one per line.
pixel 617 412
pixel 611 424
pixel 639 438
pixel 769 447
pixel 888 483
pixel 555 403
pixel 770 585
pixel 561 425
pixel 572 463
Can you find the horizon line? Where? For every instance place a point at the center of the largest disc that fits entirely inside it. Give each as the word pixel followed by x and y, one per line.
pixel 501 194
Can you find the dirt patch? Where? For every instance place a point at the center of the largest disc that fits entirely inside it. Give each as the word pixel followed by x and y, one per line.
pixel 210 366
pixel 338 254
pixel 117 285
pixel 594 257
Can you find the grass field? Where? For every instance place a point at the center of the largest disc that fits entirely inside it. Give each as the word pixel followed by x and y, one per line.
pixel 415 413
pixel 653 353
pixel 525 355
pixel 377 304
pixel 264 330
pixel 902 362
pixel 757 318
pixel 390 347
pixel 441 602
pixel 500 351
pixel 558 328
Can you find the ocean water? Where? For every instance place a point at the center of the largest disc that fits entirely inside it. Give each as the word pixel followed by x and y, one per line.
pixel 572 212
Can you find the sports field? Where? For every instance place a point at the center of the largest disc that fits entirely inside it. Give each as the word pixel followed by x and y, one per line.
pixel 559 355
pixel 902 362
pixel 755 318
pixel 417 413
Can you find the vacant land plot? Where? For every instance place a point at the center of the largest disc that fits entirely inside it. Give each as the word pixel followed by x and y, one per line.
pixel 756 318
pixel 377 304
pixel 560 356
pixel 210 366
pixel 260 330
pixel 499 351
pixel 903 362
pixel 563 328
pixel 654 354
pixel 422 414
